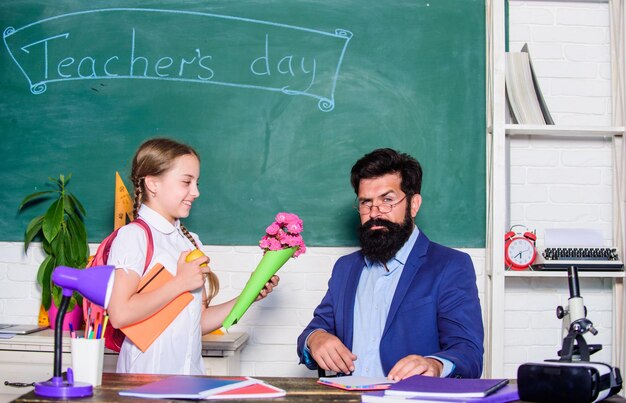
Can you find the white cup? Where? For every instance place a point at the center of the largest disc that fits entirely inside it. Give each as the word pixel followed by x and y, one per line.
pixel 87 360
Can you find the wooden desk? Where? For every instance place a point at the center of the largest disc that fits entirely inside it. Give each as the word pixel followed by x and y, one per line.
pixel 298 390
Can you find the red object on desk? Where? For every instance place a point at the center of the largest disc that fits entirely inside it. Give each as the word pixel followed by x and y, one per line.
pixel 256 391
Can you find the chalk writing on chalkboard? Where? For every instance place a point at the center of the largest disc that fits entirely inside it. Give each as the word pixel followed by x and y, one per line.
pixel 236 52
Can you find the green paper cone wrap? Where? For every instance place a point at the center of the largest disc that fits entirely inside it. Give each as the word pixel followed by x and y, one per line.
pixel 267 267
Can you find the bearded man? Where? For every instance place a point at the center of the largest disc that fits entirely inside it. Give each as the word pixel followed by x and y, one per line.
pixel 402 305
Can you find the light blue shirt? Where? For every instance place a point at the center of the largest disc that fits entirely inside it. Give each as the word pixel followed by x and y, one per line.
pixel 377 286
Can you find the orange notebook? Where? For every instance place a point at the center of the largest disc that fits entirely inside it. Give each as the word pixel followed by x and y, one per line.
pixel 144 333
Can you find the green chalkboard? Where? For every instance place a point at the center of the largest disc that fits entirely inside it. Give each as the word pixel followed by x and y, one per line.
pixel 280 98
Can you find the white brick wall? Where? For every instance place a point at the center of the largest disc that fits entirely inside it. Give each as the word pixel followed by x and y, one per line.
pixel 561 183
pixel 555 183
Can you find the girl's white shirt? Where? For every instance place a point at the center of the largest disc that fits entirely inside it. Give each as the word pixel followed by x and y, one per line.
pixel 178 350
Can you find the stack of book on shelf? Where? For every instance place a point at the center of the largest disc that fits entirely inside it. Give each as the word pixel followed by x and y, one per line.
pixel 422 389
pixel 525 102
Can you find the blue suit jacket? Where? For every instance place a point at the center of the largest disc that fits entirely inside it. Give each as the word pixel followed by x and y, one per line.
pixel 435 309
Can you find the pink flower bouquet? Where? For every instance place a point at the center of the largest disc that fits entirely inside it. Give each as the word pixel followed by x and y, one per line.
pixel 284 233
pixel 282 240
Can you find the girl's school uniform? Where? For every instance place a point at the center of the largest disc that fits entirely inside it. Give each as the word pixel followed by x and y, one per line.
pixel 178 350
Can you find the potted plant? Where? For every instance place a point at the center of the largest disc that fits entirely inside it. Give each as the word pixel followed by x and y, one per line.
pixel 63 236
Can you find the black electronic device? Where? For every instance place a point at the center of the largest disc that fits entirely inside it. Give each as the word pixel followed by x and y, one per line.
pixel 578 382
pixel 585 259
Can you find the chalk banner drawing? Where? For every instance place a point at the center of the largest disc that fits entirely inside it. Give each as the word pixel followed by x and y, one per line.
pixel 184 46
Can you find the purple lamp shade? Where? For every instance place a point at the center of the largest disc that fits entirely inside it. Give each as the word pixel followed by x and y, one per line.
pixel 95 283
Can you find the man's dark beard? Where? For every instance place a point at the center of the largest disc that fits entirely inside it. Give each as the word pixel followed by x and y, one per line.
pixel 381 245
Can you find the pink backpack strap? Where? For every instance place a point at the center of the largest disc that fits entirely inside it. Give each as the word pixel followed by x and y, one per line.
pixel 150 242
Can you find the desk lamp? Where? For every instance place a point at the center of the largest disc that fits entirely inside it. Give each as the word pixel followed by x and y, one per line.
pixel 95 284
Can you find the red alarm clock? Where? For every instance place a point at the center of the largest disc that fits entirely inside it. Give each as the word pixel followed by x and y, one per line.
pixel 519 249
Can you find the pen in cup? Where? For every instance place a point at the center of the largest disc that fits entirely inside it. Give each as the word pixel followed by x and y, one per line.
pixel 104 327
pixel 87 322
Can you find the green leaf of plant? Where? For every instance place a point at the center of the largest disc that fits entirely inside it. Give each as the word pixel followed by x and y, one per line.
pixel 57 182
pixel 57 294
pixel 46 283
pixel 32 229
pixel 71 228
pixel 62 253
pixel 78 298
pixel 52 220
pixel 42 269
pixel 84 254
pixel 77 204
pixel 75 260
pixel 45 298
pixel 57 249
pixel 67 205
pixel 46 246
pixel 33 196
pixel 71 249
pixel 79 236
pixel 72 304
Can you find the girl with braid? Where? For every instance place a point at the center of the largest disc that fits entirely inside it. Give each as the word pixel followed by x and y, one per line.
pixel 165 175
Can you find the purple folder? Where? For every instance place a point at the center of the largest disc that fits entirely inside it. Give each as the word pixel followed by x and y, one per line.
pixel 426 386
pixel 507 393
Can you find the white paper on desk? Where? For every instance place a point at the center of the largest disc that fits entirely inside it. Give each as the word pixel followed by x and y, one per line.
pixel 573 238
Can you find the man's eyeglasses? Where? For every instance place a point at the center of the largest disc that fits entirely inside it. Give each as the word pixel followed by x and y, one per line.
pixel 364 207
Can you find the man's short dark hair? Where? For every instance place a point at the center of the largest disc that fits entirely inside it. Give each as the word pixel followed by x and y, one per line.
pixel 385 161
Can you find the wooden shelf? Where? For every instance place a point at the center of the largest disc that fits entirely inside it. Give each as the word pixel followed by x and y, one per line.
pixel 563 131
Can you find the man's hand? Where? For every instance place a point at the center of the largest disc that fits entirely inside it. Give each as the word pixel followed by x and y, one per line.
pixel 330 353
pixel 415 365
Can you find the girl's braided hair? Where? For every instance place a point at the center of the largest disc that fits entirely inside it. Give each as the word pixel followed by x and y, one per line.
pixel 211 278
